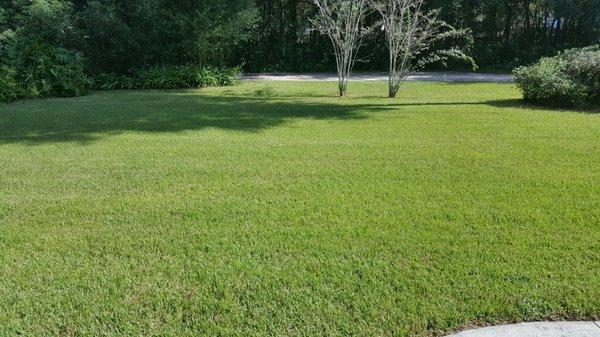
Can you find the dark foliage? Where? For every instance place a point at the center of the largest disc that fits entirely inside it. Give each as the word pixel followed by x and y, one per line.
pixel 275 35
pixel 506 33
pixel 33 69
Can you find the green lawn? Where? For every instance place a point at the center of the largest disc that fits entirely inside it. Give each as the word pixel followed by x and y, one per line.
pixel 277 209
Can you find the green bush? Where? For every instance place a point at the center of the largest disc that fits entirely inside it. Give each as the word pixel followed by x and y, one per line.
pixel 10 89
pixel 584 67
pixel 45 70
pixel 169 77
pixel 33 69
pixel 571 79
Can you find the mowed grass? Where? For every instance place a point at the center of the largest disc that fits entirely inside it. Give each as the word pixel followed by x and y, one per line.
pixel 278 209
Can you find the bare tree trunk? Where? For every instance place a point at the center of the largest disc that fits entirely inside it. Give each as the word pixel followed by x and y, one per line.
pixel 508 23
pixel 343 87
pixel 292 34
pixel 392 88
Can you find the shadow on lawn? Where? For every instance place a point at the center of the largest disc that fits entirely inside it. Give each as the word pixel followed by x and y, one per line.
pixel 505 104
pixel 88 118
pixel 521 104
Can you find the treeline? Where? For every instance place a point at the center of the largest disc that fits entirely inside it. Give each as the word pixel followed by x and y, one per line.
pixel 115 36
pixel 506 33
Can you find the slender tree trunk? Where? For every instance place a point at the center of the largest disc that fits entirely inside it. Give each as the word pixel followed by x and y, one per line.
pixel 508 23
pixel 392 77
pixel 292 35
pixel 342 75
pixel 343 88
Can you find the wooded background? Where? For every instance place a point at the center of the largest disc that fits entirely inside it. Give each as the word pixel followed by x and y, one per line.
pixel 275 35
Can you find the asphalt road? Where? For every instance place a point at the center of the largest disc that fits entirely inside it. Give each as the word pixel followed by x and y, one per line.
pixel 537 329
pixel 423 76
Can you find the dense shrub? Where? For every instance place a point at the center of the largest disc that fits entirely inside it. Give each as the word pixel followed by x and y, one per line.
pixel 10 89
pixel 45 70
pixel 570 79
pixel 33 69
pixel 584 67
pixel 169 77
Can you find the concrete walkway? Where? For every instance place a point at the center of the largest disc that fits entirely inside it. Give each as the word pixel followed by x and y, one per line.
pixel 541 329
pixel 432 77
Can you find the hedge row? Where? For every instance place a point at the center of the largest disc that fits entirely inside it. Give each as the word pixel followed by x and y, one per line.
pixel 169 77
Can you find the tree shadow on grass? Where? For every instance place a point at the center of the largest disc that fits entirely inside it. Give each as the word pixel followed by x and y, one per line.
pixel 89 118
pixel 102 114
pixel 269 91
pixel 504 104
pixel 522 104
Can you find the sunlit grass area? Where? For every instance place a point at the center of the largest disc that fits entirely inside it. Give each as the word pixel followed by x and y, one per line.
pixel 276 208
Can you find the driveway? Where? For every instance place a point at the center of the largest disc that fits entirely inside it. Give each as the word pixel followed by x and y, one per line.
pixel 423 76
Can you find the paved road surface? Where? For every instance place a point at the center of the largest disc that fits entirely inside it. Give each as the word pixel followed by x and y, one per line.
pixel 542 329
pixel 433 77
